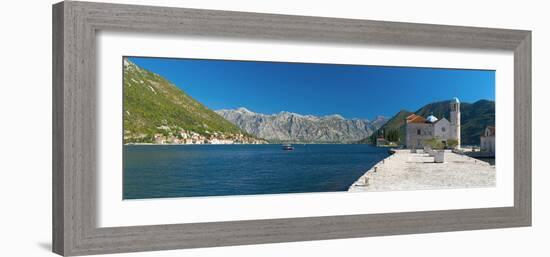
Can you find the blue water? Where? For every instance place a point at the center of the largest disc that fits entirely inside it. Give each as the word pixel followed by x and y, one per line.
pixel 155 171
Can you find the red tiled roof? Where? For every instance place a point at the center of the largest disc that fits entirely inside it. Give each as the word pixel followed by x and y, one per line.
pixel 413 118
pixel 410 116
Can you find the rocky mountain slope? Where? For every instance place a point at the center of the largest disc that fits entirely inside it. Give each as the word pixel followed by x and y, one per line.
pixel 153 106
pixel 292 127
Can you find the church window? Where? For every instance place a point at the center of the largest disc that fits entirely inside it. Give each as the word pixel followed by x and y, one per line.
pixel 443 129
pixel 418 131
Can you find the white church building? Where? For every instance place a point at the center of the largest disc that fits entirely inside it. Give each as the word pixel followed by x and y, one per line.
pixel 420 129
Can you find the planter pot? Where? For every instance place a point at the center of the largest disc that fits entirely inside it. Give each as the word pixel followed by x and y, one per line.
pixel 439 156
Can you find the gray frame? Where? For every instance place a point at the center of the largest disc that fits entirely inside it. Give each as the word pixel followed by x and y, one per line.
pixel 74 113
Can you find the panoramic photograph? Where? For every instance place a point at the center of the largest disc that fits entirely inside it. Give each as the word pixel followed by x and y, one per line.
pixel 203 128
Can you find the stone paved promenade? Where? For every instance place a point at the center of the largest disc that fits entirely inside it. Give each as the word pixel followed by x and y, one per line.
pixel 417 171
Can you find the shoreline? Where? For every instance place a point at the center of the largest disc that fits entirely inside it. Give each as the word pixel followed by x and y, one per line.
pixel 154 144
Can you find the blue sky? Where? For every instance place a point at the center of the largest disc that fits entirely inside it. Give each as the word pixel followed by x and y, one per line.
pixel 352 91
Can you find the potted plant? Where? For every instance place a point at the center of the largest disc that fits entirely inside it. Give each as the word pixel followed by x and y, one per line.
pixel 438 151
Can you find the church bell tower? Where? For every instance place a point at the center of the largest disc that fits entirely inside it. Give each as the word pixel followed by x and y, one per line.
pixel 455 120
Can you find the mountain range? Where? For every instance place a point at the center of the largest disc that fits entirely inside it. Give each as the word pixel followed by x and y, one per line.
pixel 156 110
pixel 293 127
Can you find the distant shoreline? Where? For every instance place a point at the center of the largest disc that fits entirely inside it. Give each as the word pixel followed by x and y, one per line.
pixel 153 144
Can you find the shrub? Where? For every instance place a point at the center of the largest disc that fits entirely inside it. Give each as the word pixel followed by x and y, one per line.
pixel 452 143
pixel 434 144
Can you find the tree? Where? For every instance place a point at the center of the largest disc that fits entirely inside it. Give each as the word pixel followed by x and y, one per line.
pixel 392 135
pixel 372 138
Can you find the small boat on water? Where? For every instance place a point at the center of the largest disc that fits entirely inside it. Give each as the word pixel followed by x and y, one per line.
pixel 288 147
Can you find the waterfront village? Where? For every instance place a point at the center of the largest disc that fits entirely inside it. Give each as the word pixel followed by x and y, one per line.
pixel 440 133
pixel 178 136
pixel 433 158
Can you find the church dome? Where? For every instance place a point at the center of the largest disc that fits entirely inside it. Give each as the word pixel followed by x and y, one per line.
pixel 431 119
pixel 455 100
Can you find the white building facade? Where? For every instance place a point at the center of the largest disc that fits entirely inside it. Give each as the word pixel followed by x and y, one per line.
pixel 487 140
pixel 419 129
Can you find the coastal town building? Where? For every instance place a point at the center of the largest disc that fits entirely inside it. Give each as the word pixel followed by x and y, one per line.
pixel 487 140
pixel 419 129
pixel 381 141
pixel 173 136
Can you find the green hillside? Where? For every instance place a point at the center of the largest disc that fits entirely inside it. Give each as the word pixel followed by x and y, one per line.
pixel 474 118
pixel 152 105
pixel 396 122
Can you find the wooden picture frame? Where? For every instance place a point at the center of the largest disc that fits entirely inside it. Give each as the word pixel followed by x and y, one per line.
pixel 75 25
